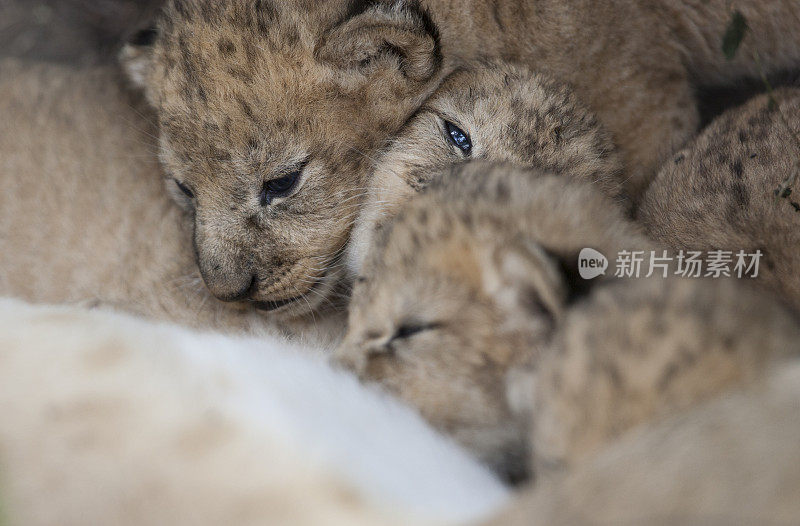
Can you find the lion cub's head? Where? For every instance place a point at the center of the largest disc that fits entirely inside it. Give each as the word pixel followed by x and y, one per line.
pixel 269 113
pixel 461 293
pixel 489 111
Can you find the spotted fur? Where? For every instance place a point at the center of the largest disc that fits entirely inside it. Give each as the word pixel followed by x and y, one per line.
pixel 718 192
pixel 471 308
pixel 511 115
pixel 465 289
pixel 248 90
pixel 643 350
pixel 84 217
pixel 734 460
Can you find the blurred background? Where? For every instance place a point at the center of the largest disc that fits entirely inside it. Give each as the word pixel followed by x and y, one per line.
pixel 84 32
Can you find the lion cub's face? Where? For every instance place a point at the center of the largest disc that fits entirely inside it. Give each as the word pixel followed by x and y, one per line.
pixel 488 111
pixel 269 113
pixel 467 286
pixel 451 310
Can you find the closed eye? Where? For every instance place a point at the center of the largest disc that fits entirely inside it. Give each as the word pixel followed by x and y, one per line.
pixel 280 187
pixel 458 137
pixel 408 330
pixel 185 189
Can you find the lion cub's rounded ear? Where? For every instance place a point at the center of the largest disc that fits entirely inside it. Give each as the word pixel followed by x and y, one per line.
pixel 137 53
pixel 525 280
pixel 378 34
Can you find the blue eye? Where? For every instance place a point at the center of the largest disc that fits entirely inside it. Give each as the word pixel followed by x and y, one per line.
pixel 280 187
pixel 458 137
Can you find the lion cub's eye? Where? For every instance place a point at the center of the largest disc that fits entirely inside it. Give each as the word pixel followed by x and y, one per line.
pixel 409 330
pixel 185 189
pixel 280 187
pixel 458 137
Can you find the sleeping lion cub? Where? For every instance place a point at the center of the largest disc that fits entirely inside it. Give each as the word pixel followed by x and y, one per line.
pixel 83 213
pixel 270 113
pixel 471 308
pixel 462 292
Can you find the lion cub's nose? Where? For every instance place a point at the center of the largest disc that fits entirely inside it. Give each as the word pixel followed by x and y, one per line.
pixel 224 293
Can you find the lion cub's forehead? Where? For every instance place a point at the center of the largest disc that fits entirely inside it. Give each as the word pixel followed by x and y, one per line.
pixel 240 38
pixel 497 84
pixel 432 240
pixel 199 69
pixel 267 23
pixel 240 70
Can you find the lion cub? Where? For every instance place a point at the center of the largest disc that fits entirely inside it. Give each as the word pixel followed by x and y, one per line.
pixel 270 111
pixel 466 288
pixel 734 460
pixel 472 296
pixel 490 111
pixel 718 192
pixel 83 213
pixel 125 422
pixel 637 350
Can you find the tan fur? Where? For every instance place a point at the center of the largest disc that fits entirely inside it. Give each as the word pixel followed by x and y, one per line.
pixel 718 192
pixel 247 91
pixel 248 95
pixel 734 461
pixel 108 420
pixel 635 351
pixel 470 304
pixel 511 115
pixel 469 266
pixel 84 216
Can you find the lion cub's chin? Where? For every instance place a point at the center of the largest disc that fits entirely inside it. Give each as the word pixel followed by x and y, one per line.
pixel 324 297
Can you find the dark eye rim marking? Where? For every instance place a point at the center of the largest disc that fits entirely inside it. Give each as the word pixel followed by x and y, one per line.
pixel 282 186
pixel 458 137
pixel 408 330
pixel 144 37
pixel 184 189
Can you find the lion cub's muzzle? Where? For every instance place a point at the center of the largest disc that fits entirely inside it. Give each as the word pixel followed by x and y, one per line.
pixel 228 284
pixel 269 290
